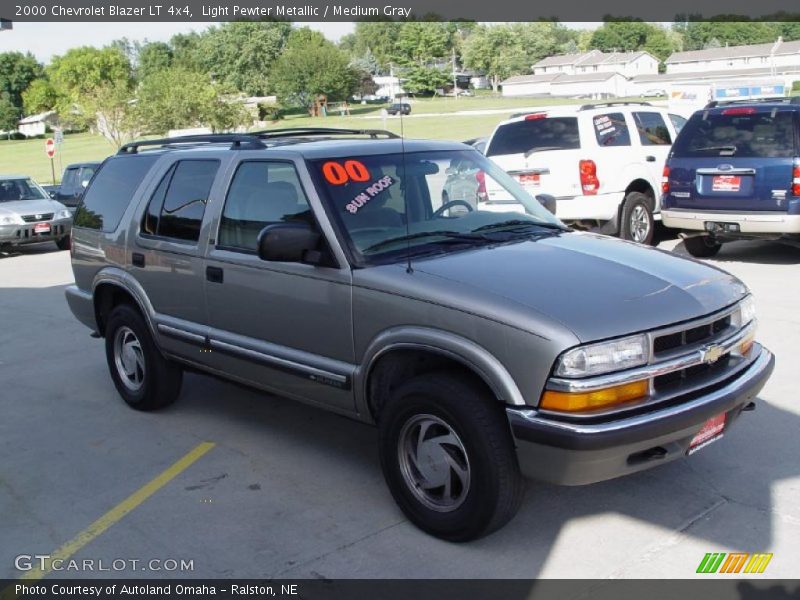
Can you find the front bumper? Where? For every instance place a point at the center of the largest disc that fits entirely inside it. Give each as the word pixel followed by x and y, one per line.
pixel 576 453
pixel 25 234
pixel 749 222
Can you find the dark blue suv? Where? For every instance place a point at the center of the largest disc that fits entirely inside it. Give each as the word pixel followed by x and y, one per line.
pixel 734 173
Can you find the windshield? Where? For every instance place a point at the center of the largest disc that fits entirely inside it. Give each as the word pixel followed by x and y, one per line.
pixel 536 133
pixel 12 190
pixel 391 206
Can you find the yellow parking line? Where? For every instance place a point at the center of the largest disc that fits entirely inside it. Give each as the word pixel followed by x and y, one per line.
pixel 119 511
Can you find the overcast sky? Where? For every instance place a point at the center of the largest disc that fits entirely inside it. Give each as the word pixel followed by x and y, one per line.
pixel 44 40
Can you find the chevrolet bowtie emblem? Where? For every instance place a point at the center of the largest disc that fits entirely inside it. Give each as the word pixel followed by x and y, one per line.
pixel 712 354
pixel 38 216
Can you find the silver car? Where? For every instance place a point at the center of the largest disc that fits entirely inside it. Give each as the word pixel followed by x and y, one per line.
pixel 322 265
pixel 28 215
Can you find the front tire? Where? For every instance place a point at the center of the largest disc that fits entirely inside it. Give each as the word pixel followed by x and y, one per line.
pixel 448 458
pixel 702 246
pixel 143 377
pixel 637 223
pixel 64 242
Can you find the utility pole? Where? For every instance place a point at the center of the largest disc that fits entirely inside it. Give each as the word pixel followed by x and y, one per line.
pixel 455 78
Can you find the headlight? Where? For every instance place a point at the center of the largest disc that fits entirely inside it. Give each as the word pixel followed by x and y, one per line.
pixel 745 313
pixel 595 359
pixel 63 214
pixel 12 220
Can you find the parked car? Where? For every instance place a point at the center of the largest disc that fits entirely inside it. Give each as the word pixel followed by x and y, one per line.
pixel 733 173
pixel 602 162
pixel 321 265
pixel 73 183
pixel 28 215
pixel 400 108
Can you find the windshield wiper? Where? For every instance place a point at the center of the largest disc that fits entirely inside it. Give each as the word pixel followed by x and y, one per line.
pixel 720 149
pixel 449 237
pixel 514 224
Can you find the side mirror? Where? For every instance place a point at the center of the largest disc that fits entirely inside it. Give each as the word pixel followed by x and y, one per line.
pixel 287 242
pixel 548 201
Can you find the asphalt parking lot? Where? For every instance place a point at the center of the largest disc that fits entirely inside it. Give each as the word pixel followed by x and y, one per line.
pixel 288 491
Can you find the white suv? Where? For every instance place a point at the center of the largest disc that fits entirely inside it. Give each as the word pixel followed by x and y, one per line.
pixel 602 162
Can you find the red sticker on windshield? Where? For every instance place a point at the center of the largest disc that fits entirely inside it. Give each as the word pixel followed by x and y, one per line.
pixel 338 174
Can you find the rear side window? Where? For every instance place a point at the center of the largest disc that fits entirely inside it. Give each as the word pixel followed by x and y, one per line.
pixel 261 193
pixel 535 134
pixel 111 192
pixel 70 181
pixel 738 133
pixel 177 206
pixel 611 130
pixel 652 129
pixel 677 122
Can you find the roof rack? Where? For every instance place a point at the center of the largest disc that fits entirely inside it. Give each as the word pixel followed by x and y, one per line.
pixel 312 131
pixel 237 141
pixel 605 104
pixel 253 140
pixel 770 100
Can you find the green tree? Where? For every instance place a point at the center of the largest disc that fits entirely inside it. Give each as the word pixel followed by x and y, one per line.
pixel 178 98
pixel 115 112
pixel 152 57
pixel 9 114
pixel 379 37
pixel 727 31
pixel 496 51
pixel 39 97
pixel 419 79
pixel 311 65
pixel 241 54
pixel 421 42
pixel 17 71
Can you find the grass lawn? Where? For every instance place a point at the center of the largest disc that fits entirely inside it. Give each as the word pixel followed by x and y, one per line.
pixel 27 157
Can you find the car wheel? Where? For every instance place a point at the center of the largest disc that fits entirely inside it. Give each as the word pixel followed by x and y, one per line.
pixel 64 242
pixel 701 246
pixel 143 377
pixel 448 458
pixel 637 219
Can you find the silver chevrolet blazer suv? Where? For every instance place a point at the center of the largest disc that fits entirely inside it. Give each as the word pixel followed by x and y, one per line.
pixel 487 345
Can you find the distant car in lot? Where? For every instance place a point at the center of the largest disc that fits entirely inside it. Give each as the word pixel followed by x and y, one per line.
pixel 602 162
pixel 73 183
pixel 28 215
pixel 734 173
pixel 654 93
pixel 399 108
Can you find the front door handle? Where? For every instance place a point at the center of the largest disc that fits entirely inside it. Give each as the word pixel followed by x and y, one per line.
pixel 650 158
pixel 214 274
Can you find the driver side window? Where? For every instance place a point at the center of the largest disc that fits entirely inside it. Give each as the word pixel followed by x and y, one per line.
pixel 261 193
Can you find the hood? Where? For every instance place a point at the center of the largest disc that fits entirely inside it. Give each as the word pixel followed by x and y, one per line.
pixel 597 287
pixel 31 207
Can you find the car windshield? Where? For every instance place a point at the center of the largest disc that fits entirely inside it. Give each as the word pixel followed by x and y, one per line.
pixel 392 206
pixel 12 190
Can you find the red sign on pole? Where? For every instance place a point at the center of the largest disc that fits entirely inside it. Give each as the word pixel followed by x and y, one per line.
pixel 50 147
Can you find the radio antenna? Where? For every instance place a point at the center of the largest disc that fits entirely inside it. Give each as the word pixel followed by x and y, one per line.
pixel 404 189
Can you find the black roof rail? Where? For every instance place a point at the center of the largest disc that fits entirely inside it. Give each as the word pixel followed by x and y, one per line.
pixel 252 140
pixel 236 140
pixel 770 100
pixel 622 103
pixel 313 131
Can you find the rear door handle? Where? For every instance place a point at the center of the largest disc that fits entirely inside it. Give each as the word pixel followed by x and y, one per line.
pixel 214 274
pixel 650 158
pixel 137 259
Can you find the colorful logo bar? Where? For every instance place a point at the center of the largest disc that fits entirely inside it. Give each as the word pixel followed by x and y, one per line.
pixel 735 562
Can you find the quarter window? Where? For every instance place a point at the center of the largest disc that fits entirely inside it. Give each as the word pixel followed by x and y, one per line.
pixel 177 206
pixel 261 193
pixel 611 130
pixel 652 129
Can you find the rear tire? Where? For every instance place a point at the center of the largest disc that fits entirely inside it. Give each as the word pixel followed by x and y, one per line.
pixel 64 243
pixel 702 246
pixel 637 223
pixel 143 377
pixel 449 459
